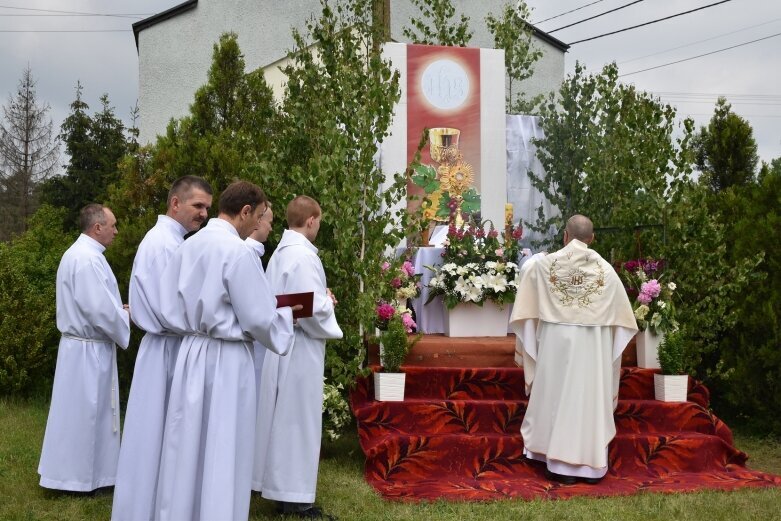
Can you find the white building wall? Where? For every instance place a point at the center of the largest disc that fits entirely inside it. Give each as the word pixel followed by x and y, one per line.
pixel 175 54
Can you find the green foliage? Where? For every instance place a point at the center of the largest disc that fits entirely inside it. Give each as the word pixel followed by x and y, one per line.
pixel 395 345
pixel 671 352
pixel 338 105
pixel 28 330
pixel 437 25
pixel 709 282
pixel 95 145
pixel 608 153
pixel 752 218
pixel 513 33
pixel 725 150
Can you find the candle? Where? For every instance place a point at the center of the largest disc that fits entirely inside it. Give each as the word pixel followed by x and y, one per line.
pixel 508 214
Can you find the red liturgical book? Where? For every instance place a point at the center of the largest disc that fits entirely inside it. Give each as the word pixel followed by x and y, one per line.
pixel 291 299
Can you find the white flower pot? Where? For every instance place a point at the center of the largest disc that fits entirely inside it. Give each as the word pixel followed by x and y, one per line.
pixel 648 349
pixel 471 320
pixel 671 388
pixel 389 387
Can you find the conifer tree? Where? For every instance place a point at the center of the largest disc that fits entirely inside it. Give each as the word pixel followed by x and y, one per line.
pixel 28 155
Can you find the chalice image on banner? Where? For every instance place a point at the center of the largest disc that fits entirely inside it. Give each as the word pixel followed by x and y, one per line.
pixel 454 174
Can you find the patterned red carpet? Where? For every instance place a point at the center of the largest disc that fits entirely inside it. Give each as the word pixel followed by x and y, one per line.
pixel 456 436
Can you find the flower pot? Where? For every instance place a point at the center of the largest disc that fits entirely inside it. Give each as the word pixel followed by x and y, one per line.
pixel 389 387
pixel 648 349
pixel 471 320
pixel 671 387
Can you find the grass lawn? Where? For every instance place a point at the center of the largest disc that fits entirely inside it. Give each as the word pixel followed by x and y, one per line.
pixel 343 493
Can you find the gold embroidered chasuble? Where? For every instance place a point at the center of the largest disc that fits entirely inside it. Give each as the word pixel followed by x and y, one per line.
pixel 573 319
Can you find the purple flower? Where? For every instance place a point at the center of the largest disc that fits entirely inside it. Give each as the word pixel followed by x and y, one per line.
pixel 396 283
pixel 644 298
pixel 408 268
pixel 385 266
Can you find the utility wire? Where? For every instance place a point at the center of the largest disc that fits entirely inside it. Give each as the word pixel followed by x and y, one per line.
pixel 649 23
pixel 568 12
pixel 700 55
pixel 120 15
pixel 596 16
pixel 65 31
pixel 699 41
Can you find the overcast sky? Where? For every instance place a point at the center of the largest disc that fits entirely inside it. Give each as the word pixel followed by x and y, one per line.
pixel 749 76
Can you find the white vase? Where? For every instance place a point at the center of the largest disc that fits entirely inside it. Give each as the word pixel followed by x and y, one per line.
pixel 648 349
pixel 671 387
pixel 471 320
pixel 389 387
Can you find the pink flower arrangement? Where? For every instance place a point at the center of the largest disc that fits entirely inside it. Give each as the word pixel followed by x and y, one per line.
pixel 385 311
pixel 409 324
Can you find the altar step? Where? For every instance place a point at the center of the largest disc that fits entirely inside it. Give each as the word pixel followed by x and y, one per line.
pixel 457 436
pixel 438 350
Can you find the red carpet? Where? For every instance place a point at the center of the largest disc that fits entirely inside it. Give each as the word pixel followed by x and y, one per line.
pixel 457 437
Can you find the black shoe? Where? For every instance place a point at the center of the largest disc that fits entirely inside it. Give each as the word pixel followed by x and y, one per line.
pixel 311 513
pixel 561 478
pixel 591 481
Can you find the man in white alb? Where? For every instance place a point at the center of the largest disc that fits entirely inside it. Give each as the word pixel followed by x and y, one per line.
pixel 288 451
pixel 81 444
pixel 255 242
pixel 213 292
pixel 574 319
pixel 189 200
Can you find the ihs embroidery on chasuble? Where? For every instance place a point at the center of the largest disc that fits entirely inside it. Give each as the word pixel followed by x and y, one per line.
pixel 576 285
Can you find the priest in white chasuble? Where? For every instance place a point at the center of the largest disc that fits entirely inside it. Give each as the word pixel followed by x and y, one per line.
pixel 288 451
pixel 574 319
pixel 81 443
pixel 189 200
pixel 213 292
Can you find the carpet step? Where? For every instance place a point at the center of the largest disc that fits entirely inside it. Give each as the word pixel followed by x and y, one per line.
pixel 490 417
pixel 450 383
pixel 402 458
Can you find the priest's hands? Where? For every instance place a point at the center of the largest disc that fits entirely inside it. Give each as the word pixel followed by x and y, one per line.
pixel 331 296
pixel 126 307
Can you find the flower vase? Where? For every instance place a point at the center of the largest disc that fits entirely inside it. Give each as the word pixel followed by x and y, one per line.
pixel 648 349
pixel 389 387
pixel 671 387
pixel 471 320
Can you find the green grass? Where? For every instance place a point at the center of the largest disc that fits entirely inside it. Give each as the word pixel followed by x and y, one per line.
pixel 343 492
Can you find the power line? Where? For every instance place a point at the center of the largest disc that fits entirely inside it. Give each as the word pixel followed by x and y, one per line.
pixel 596 16
pixel 700 55
pixel 568 12
pixel 699 41
pixel 121 15
pixel 65 30
pixel 651 22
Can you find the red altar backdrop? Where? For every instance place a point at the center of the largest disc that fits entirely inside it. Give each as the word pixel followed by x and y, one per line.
pixel 443 90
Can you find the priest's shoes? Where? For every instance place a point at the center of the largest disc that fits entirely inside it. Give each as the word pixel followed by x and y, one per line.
pixel 591 481
pixel 561 478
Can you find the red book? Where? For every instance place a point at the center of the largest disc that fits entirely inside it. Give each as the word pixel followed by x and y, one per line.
pixel 291 299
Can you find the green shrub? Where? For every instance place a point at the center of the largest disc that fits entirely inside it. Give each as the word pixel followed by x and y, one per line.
pixel 28 329
pixel 671 354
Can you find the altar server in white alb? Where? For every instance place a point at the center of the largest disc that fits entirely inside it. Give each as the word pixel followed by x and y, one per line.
pixel 255 242
pixel 213 292
pixel 189 200
pixel 81 444
pixel 292 387
pixel 574 320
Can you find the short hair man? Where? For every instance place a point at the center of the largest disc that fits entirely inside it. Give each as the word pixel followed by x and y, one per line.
pixel 81 443
pixel 292 387
pixel 213 292
pixel 573 320
pixel 189 200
